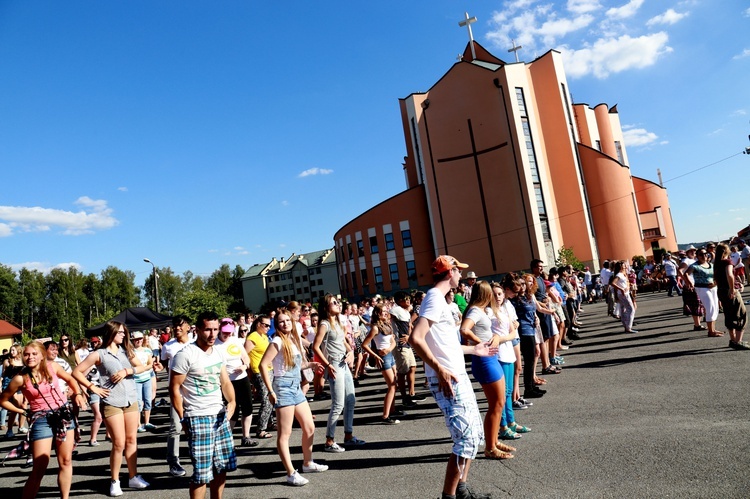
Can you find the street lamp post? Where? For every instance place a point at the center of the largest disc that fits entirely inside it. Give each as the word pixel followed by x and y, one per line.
pixel 156 285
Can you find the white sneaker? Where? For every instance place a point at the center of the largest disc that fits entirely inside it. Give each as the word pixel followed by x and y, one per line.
pixel 314 467
pixel 334 447
pixel 114 488
pixel 296 479
pixel 138 483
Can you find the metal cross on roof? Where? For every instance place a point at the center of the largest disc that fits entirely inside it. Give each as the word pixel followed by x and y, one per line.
pixel 515 49
pixel 468 21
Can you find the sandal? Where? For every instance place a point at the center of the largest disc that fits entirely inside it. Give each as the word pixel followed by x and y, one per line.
pixel 508 434
pixel 551 370
pixel 699 328
pixel 519 428
pixel 504 448
pixel 263 435
pixel 715 334
pixel 497 454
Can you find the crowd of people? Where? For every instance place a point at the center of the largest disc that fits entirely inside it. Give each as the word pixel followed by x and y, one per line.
pixel 222 370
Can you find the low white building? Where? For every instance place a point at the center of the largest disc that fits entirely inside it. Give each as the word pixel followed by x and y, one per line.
pixel 302 278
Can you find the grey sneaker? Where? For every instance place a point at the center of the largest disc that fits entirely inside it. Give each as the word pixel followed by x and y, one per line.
pixel 334 447
pixel 177 470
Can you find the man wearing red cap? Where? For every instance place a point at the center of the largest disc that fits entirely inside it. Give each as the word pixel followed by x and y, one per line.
pixel 436 340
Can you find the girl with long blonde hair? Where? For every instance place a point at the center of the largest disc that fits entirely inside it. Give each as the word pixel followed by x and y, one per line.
pixel 285 393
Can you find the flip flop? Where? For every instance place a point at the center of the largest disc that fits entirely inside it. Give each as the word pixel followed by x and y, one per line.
pixel 263 435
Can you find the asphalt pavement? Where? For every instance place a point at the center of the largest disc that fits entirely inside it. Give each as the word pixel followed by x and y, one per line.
pixel 661 413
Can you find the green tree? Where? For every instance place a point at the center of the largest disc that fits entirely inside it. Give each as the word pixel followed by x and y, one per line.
pixel 565 256
pixel 171 290
pixel 118 290
pixel 65 303
pixel 194 302
pixel 9 294
pixel 32 291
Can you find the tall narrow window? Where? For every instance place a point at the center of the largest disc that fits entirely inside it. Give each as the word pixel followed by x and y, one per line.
pixel 406 238
pixel 393 269
pixel 389 244
pixel 374 245
pixel 360 247
pixel 365 280
pixel 411 271
pixel 618 147
pixel 533 167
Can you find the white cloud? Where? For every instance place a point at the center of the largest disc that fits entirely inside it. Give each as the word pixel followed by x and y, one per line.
pixel 5 230
pixel 243 252
pixel 614 55
pixel 594 41
pixel 122 189
pixel 638 137
pixel 238 248
pixel 285 203
pixel 626 11
pixel 44 267
pixel 213 251
pixel 669 17
pixel 716 132
pixel 583 6
pixel 742 55
pixel 315 171
pixel 739 112
pixel 554 29
pixel 747 12
pixel 282 245
pixel 94 215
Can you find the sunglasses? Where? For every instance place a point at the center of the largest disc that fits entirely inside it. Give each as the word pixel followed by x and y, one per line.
pixel 264 324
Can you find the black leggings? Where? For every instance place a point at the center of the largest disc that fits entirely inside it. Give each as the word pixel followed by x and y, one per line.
pixel 243 394
pixel 528 347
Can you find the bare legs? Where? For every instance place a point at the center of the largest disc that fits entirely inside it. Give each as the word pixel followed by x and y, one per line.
pixel 123 429
pixel 41 450
pixel 285 417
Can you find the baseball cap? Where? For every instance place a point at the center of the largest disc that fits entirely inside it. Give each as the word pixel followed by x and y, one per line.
pixel 136 335
pixel 227 325
pixel 444 263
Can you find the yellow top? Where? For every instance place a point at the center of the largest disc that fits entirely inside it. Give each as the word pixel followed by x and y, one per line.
pixel 261 342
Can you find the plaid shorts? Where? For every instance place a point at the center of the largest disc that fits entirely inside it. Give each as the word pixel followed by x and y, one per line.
pixel 461 415
pixel 211 447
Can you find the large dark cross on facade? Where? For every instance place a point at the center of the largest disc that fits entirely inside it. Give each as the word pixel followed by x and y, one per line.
pixel 475 154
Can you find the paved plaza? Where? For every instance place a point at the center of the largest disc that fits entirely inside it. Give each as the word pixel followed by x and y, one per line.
pixel 661 413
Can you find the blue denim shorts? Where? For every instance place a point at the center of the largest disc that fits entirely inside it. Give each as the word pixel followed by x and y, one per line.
pixel 41 429
pixel 288 391
pixel 388 361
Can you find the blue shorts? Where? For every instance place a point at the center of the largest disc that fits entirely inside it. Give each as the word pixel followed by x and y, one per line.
pixel 41 430
pixel 388 361
pixel 486 370
pixel 461 415
pixel 288 391
pixel 211 447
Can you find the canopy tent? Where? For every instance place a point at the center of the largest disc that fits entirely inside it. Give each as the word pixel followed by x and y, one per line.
pixel 135 318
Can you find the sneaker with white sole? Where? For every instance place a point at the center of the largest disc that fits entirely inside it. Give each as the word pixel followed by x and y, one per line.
pixel 314 467
pixel 334 447
pixel 114 488
pixel 137 482
pixel 176 470
pixel 296 479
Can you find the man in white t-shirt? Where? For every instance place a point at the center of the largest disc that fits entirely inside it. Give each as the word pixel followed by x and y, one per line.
pixel 198 379
pixel 182 327
pixel 435 339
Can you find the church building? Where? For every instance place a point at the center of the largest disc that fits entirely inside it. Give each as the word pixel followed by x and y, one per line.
pixel 502 167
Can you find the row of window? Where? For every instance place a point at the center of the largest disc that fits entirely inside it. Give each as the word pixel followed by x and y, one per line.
pixel 390 244
pixel 290 287
pixel 350 283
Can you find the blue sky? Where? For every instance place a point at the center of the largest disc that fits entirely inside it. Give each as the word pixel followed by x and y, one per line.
pixel 202 133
